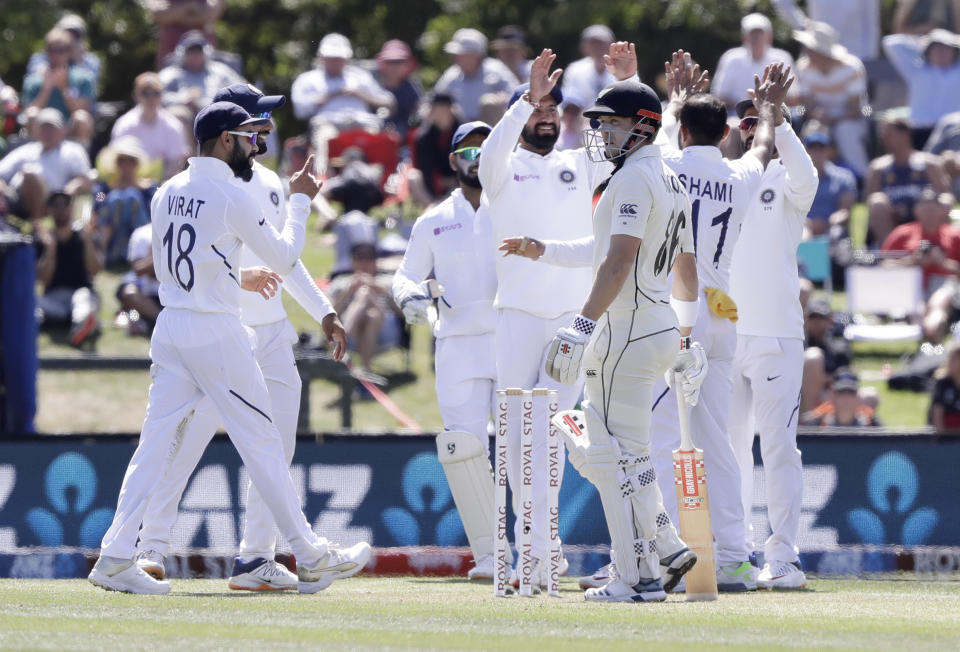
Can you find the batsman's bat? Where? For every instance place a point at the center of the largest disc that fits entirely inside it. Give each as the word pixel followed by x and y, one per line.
pixel 693 508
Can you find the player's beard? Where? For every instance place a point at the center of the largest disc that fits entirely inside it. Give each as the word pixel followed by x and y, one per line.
pixel 539 140
pixel 241 163
pixel 468 176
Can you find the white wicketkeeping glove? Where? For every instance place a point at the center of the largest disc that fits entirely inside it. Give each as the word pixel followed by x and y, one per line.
pixel 566 350
pixel 415 311
pixel 691 368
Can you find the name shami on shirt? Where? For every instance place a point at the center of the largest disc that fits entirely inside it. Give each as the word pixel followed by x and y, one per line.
pixel 707 189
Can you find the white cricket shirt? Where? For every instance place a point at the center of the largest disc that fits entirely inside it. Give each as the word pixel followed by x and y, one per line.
pixel 200 220
pixel 763 275
pixel 646 200
pixel 721 191
pixel 453 241
pixel 265 187
pixel 545 197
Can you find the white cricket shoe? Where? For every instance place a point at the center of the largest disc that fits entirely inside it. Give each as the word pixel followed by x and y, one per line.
pixel 337 564
pixel 674 567
pixel 126 577
pixel 734 578
pixel 151 563
pixel 781 575
pixel 599 577
pixel 483 569
pixel 648 590
pixel 261 575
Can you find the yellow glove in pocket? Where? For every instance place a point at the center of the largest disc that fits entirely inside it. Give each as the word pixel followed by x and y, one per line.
pixel 721 304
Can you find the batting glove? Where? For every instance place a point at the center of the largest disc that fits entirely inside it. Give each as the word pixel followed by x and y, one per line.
pixel 566 350
pixel 690 367
pixel 415 311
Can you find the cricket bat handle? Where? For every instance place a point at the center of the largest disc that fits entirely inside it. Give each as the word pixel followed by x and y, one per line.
pixel 683 411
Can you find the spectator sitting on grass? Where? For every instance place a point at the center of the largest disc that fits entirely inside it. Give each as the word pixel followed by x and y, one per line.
pixel 898 177
pixel 364 300
pixel 933 244
pixel 122 204
pixel 845 408
pixel 945 401
pixel 139 291
pixel 67 261
pixel 432 145
pixel 825 351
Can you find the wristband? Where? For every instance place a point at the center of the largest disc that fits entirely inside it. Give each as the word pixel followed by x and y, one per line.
pixel 583 325
pixel 686 311
pixel 685 343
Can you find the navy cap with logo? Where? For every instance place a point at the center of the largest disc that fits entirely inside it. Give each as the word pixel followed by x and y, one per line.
pixel 250 98
pixel 523 88
pixel 218 117
pixel 464 130
pixel 743 105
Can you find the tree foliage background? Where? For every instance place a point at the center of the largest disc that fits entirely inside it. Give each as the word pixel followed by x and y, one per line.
pixel 278 38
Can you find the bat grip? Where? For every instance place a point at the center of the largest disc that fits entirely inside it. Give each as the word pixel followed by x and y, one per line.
pixel 683 411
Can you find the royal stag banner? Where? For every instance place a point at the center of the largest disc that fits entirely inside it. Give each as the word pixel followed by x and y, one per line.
pixel 390 490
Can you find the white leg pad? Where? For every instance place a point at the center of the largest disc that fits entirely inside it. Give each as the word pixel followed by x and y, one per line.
pixel 470 479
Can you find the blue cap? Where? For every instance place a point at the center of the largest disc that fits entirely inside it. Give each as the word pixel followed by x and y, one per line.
pixel 817 138
pixel 464 130
pixel 523 88
pixel 250 98
pixel 218 117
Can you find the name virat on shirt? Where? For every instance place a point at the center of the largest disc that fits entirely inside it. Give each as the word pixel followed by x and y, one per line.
pixel 180 206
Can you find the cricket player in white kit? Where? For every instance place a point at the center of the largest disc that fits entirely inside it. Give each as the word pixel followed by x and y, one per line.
pixel 768 363
pixel 255 567
pixel 199 348
pixel 542 192
pixel 452 243
pixel 721 191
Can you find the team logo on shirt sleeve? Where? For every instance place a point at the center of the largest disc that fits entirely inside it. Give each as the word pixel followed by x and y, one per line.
pixel 275 198
pixel 567 176
pixel 767 196
pixel 628 210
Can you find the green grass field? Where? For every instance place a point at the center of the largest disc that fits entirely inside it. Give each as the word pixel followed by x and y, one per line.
pixel 437 613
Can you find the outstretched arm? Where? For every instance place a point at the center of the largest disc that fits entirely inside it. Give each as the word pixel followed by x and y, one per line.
pixel 562 253
pixel 769 94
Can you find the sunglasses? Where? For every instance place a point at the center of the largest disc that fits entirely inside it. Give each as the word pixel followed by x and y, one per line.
pixel 468 153
pixel 249 135
pixel 748 123
pixel 149 92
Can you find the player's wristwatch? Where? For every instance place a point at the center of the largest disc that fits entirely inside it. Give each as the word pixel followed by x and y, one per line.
pixel 685 343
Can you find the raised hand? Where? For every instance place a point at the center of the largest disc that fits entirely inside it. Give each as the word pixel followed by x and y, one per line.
pixel 621 62
pixel 304 182
pixel 684 77
pixel 773 86
pixel 542 80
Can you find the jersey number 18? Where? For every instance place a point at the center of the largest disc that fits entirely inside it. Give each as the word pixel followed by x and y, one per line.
pixel 183 254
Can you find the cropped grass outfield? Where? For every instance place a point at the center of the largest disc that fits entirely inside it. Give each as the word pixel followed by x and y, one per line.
pixel 437 613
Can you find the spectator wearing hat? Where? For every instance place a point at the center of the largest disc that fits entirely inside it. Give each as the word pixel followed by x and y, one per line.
pixel 837 191
pixel 395 66
pixel 122 201
pixel 49 164
pixel 174 18
pixel 58 84
pixel 897 178
pixel 340 94
pixel 139 290
pixel 67 261
pixel 159 133
pixel 845 407
pixel 195 77
pixel 363 298
pixel 737 66
pixel 833 90
pixel 473 78
pixel 510 47
pixel 432 145
pixel 825 351
pixel 945 400
pixel 583 80
pixel 857 22
pixel 933 244
pixel 80 55
pixel 930 67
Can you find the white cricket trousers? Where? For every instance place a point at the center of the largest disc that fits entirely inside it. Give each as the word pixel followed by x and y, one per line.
pixel 522 343
pixel 208 354
pixel 274 355
pixel 708 430
pixel 767 373
pixel 466 373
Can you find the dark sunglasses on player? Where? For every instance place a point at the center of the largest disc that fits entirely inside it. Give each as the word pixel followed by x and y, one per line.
pixel 468 153
pixel 748 123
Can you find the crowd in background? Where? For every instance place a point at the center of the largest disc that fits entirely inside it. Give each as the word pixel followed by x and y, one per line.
pixel 879 115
